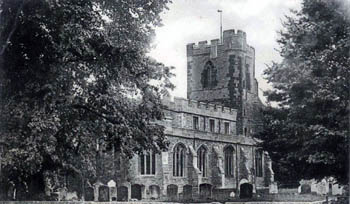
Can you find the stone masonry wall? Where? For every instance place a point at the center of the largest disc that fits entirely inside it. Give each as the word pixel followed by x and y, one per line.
pixel 164 176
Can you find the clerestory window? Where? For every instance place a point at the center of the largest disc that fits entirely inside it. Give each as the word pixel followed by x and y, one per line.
pixel 212 125
pixel 227 128
pixel 195 122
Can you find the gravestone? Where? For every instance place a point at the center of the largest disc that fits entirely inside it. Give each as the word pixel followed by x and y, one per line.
pixel 62 193
pixel 321 188
pixel 89 194
pixel 122 193
pixel 305 188
pixel 205 190
pixel 246 191
pixel 72 196
pixel 171 192
pixel 112 190
pixel 113 193
pixel 136 191
pixel 154 192
pixel 111 183
pixel 187 192
pixel 103 194
pixel 273 188
pixel 21 193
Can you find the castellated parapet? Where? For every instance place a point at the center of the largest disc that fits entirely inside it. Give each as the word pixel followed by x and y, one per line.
pixel 231 40
pixel 201 108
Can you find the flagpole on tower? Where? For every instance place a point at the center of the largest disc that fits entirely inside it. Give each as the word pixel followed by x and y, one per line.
pixel 220 11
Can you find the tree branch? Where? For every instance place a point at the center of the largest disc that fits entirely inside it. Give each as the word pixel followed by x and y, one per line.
pixel 14 26
pixel 78 106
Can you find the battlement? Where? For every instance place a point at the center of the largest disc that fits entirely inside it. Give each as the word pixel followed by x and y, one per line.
pixel 233 33
pixel 204 106
pixel 231 40
pixel 203 44
pixel 197 107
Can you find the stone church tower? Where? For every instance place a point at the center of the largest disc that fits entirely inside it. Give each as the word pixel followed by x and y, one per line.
pixel 223 73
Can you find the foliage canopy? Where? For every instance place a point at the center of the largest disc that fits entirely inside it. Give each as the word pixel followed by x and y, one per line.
pixel 73 74
pixel 307 135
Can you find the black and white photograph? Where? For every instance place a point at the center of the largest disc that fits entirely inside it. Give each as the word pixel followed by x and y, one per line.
pixel 174 101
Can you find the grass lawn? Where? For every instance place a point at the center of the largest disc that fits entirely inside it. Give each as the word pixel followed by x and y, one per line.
pixel 268 197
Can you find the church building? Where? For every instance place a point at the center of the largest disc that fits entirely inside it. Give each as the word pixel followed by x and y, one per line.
pixel 212 153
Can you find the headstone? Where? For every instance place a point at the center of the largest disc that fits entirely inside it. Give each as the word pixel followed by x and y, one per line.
pixel 330 188
pixel 21 193
pixel 122 193
pixel 89 194
pixel 103 194
pixel 96 190
pixel 337 190
pixel 187 192
pixel 305 188
pixel 136 192
pixel 113 193
pixel 172 192
pixel 205 190
pixel 154 192
pixel 273 188
pixel 322 190
pixel 11 192
pixel 111 183
pixel 72 196
pixel 246 190
pixel 62 193
pixel 112 190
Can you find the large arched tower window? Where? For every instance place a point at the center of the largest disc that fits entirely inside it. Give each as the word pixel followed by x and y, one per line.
pixel 258 163
pixel 202 160
pixel 209 73
pixel 179 156
pixel 229 161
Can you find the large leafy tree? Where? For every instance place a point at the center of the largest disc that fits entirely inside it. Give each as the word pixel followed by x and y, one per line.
pixel 75 74
pixel 307 132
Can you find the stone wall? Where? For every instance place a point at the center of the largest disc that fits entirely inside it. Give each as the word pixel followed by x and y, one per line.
pixel 164 176
pixel 179 122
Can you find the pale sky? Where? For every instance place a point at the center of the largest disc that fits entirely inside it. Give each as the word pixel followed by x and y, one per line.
pixel 191 21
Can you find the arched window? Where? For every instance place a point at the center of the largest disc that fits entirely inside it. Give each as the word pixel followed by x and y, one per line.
pixel 209 75
pixel 202 160
pixel 229 161
pixel 179 160
pixel 258 163
pixel 148 163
